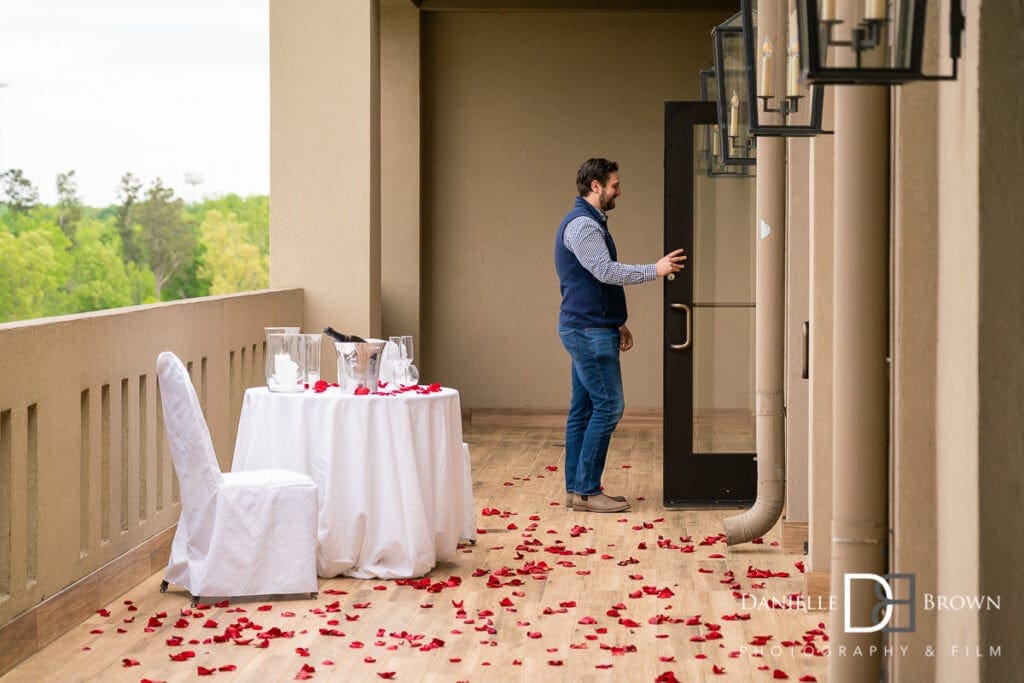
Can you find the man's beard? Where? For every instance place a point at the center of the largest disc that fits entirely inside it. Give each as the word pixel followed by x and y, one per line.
pixel 607 202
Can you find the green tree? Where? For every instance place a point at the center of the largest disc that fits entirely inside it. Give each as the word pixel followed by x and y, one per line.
pixel 166 241
pixel 34 268
pixel 142 283
pixel 99 278
pixel 253 212
pixel 69 204
pixel 128 196
pixel 20 193
pixel 231 262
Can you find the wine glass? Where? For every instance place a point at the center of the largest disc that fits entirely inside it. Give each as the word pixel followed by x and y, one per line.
pixel 403 357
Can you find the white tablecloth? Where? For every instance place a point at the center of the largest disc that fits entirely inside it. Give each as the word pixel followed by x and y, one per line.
pixel 390 469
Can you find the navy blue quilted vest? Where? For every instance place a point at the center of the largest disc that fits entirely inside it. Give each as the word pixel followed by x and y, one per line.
pixel 586 301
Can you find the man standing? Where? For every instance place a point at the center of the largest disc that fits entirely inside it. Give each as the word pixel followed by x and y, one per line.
pixel 592 327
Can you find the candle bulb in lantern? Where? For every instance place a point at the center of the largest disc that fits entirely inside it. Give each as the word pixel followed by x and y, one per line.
pixel 716 141
pixel 793 70
pixel 734 115
pixel 767 77
pixel 828 10
pixel 874 9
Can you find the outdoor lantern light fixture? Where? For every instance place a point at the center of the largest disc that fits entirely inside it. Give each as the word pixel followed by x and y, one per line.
pixel 736 138
pixel 780 104
pixel 710 156
pixel 879 42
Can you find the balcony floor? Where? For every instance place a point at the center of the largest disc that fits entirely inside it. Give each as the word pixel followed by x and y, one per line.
pixel 606 614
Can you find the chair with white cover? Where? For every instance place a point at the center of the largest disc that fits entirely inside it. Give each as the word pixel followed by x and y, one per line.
pixel 239 533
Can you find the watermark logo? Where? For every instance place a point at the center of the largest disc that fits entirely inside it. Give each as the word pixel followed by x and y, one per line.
pixel 886 593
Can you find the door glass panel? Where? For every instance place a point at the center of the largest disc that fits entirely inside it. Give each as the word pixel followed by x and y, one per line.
pixel 723 313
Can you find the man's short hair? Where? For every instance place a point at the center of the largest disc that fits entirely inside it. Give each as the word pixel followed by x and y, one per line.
pixel 594 169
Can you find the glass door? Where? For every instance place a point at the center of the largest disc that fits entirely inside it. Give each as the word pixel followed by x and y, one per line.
pixel 708 321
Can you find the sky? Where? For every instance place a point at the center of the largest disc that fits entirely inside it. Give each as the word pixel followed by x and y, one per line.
pixel 158 88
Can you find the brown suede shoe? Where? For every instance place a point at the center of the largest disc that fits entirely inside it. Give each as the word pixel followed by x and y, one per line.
pixel 568 499
pixel 598 502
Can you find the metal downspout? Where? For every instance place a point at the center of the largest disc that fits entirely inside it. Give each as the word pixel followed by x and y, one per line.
pixel 770 209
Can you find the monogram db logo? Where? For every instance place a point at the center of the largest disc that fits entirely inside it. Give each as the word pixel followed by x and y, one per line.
pixel 886 595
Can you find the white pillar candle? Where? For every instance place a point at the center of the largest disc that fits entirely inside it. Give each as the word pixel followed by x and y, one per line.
pixel 793 71
pixel 875 9
pixel 734 115
pixel 286 371
pixel 827 11
pixel 767 88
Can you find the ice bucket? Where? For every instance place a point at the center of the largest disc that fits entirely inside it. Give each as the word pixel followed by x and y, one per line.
pixel 358 365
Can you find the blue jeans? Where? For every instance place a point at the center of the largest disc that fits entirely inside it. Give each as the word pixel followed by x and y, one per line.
pixel 596 406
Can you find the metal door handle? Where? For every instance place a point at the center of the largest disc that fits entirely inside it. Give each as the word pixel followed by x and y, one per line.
pixel 688 325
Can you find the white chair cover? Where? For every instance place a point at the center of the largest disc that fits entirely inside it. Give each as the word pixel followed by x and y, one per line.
pixel 239 533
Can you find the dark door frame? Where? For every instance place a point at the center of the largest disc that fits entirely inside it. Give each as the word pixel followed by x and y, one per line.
pixel 690 479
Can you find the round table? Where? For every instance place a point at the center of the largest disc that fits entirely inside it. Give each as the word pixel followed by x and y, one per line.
pixel 394 485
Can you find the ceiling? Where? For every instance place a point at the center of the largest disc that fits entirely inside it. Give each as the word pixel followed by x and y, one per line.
pixel 565 5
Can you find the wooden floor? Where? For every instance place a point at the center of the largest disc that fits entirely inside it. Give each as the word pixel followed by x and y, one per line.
pixel 545 594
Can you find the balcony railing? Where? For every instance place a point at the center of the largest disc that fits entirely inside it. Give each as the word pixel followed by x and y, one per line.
pixel 85 473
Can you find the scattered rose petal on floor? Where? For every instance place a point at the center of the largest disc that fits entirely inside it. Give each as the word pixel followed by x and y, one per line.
pixel 129 662
pixel 779 674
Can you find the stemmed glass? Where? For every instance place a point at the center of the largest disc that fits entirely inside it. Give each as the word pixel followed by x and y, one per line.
pixel 403 357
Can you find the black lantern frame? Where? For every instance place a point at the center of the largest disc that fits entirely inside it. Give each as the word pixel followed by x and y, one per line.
pixel 713 166
pixel 868 40
pixel 737 140
pixel 791 115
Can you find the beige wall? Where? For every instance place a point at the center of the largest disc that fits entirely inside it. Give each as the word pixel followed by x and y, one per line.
pixel 85 470
pixel 1000 330
pixel 512 104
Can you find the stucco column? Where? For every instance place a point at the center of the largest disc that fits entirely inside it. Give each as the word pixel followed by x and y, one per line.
pixel 325 161
pixel 819 395
pixel 400 170
pixel 861 388
pixel 794 532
